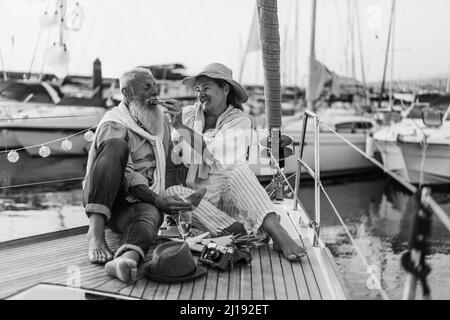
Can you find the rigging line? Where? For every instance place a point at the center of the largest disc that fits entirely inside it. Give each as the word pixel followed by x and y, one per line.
pixel 37 43
pixel 358 250
pixel 44 58
pixel 5 76
pixel 298 201
pixel 88 37
pixel 48 142
pixel 53 117
pixel 38 183
pixel 402 181
pixel 290 187
pixel 270 184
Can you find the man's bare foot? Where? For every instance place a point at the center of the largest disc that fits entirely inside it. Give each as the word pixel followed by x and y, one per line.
pixel 98 251
pixel 124 267
pixel 282 241
pixel 196 197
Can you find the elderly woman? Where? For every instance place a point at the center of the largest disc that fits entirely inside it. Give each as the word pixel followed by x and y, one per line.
pixel 216 135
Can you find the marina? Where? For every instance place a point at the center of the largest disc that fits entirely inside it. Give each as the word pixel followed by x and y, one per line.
pixel 356 171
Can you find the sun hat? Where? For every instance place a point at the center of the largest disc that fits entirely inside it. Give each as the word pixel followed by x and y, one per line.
pixel 173 262
pixel 218 71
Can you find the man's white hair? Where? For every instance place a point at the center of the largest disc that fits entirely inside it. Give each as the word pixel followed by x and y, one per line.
pixel 132 77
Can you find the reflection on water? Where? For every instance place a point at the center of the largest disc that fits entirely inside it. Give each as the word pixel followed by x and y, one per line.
pixel 378 215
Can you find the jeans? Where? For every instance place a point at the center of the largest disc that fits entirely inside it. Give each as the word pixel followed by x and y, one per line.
pixel 104 194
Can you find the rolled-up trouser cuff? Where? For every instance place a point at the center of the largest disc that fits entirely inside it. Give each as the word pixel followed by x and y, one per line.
pixel 98 208
pixel 126 247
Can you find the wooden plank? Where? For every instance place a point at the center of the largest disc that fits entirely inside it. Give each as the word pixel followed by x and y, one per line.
pixel 256 275
pixel 113 286
pixel 211 284
pixel 139 288
pixel 222 285
pixel 320 279
pixel 266 267
pixel 47 250
pixel 150 290
pixel 21 284
pixel 39 268
pixel 313 288
pixel 234 286
pixel 278 276
pixel 198 291
pixel 161 291
pixel 35 240
pixel 126 291
pixel 246 279
pixel 186 290
pixel 174 291
pixel 42 262
pixel 336 278
pixel 289 279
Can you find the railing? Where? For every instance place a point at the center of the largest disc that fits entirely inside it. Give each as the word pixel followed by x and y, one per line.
pixel 414 259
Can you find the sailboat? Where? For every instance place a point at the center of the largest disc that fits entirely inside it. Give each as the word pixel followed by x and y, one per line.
pixel 66 273
pixel 411 146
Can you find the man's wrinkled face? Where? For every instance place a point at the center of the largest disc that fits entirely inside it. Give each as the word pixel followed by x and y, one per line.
pixel 144 88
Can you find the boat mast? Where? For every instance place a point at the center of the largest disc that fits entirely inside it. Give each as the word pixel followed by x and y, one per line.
pixel 361 55
pixel 270 42
pixel 312 54
pixel 387 53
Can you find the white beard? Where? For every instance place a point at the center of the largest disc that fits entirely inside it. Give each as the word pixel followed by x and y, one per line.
pixel 151 118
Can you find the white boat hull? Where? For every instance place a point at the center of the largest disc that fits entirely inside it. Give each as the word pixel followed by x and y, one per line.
pixel 437 162
pixel 392 157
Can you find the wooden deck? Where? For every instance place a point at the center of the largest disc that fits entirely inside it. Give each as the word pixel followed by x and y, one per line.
pixel 56 257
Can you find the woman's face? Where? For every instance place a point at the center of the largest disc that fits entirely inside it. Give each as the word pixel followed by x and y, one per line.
pixel 212 97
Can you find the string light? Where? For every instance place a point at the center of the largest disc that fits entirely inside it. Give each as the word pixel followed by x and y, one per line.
pixel 44 151
pixel 89 136
pixel 13 156
pixel 66 145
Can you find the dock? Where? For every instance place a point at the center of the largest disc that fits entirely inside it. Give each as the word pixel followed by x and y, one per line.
pixel 55 257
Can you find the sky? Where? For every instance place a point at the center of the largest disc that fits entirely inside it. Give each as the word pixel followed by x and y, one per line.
pixel 127 33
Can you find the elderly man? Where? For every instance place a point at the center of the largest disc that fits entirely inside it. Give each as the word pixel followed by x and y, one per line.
pixel 125 177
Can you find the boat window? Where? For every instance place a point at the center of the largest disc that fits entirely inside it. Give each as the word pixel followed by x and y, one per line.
pixel 344 127
pixel 416 112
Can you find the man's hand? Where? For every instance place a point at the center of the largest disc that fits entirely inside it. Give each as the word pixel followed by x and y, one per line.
pixel 173 204
pixel 174 109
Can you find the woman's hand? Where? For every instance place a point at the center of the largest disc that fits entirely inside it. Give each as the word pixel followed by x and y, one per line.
pixel 174 109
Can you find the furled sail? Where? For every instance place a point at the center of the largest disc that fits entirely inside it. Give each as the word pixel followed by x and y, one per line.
pixel 270 41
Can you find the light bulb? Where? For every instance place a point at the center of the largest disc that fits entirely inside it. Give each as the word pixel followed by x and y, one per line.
pixel 13 156
pixel 44 151
pixel 89 136
pixel 66 145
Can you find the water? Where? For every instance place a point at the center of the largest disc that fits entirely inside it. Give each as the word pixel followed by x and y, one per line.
pixel 377 213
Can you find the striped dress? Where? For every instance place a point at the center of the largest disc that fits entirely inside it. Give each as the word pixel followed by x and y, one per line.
pixel 233 191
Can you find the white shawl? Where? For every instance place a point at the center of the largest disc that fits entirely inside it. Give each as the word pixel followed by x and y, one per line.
pixel 122 116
